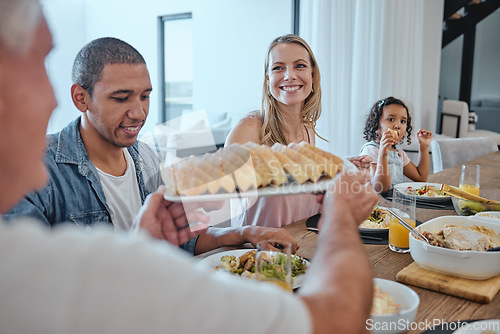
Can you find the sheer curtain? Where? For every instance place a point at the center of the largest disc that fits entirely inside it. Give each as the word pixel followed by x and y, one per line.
pixel 368 50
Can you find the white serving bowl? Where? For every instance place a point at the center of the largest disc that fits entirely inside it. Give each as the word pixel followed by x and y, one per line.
pixel 493 216
pixel 467 264
pixel 399 322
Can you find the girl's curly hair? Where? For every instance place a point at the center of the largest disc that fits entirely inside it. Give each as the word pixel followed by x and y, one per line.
pixel 372 122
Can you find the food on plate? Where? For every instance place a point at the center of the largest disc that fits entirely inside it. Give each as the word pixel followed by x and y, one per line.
pixel 383 303
pixel 379 218
pixel 249 166
pixel 425 190
pixel 475 238
pixel 244 265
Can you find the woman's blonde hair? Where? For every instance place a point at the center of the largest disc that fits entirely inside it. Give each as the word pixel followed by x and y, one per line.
pixel 273 122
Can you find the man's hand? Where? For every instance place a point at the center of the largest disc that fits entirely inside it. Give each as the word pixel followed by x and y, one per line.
pixel 364 163
pixel 338 288
pixel 255 234
pixel 168 221
pixel 350 195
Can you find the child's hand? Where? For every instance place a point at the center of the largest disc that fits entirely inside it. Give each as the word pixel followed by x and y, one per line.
pixel 387 141
pixel 424 138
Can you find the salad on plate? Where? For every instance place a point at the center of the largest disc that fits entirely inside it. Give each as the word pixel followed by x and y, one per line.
pixel 244 265
pixel 425 190
pixel 379 219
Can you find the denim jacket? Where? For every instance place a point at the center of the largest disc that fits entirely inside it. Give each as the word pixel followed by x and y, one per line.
pixel 74 192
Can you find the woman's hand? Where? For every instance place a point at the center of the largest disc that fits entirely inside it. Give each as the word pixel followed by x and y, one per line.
pixel 254 234
pixel 364 163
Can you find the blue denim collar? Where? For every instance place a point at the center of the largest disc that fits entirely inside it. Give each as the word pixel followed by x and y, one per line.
pixel 70 137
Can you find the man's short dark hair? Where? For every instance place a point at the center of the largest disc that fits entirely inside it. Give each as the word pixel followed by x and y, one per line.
pixel 90 61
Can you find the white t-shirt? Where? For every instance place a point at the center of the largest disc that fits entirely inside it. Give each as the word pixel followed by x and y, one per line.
pixel 122 194
pixel 65 281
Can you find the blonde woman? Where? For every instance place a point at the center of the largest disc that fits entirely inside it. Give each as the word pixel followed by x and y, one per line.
pixel 291 106
pixel 291 97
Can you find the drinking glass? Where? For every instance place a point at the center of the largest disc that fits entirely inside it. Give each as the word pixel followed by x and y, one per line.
pixel 404 206
pixel 273 263
pixel 469 179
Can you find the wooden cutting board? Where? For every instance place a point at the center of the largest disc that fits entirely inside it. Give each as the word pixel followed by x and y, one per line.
pixel 478 291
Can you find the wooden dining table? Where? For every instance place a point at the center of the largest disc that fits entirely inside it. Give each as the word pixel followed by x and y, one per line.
pixel 435 307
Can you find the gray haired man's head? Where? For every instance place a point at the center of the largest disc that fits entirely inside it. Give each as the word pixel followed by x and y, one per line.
pixel 90 61
pixel 18 21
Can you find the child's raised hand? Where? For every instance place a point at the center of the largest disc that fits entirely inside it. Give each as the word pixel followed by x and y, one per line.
pixel 424 138
pixel 388 140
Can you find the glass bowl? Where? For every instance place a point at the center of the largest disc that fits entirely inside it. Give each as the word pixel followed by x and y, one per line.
pixel 469 208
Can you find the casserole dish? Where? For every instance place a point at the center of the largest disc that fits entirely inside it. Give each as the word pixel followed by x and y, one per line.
pixel 477 265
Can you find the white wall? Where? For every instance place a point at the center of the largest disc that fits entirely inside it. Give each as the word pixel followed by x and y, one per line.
pixel 65 19
pixel 231 38
pixel 77 22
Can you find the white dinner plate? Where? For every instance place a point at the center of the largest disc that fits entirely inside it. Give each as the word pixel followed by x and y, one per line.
pixel 289 188
pixel 416 185
pixel 375 230
pixel 479 327
pixel 213 260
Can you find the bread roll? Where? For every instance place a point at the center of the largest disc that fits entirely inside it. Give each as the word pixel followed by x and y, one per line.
pixel 312 169
pixel 277 173
pixel 249 166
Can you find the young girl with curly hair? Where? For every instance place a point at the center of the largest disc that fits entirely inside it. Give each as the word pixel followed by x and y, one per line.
pixel 388 123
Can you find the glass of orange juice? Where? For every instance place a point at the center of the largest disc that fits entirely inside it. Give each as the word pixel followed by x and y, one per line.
pixel 469 179
pixel 404 206
pixel 273 263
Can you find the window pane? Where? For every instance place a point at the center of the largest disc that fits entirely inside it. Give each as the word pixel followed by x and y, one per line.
pixel 178 66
